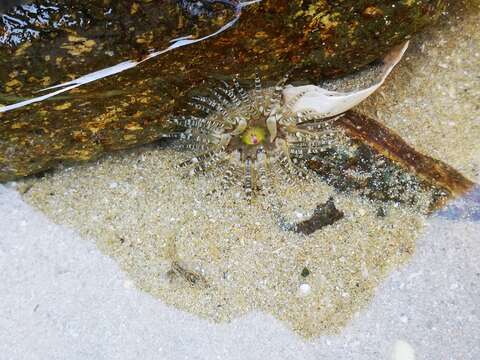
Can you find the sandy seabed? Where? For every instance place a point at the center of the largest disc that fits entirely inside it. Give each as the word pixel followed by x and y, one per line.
pixel 145 215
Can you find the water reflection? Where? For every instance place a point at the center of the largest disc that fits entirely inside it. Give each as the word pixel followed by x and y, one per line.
pixel 466 207
pixel 30 21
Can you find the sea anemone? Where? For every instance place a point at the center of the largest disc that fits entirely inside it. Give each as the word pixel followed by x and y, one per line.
pixel 254 135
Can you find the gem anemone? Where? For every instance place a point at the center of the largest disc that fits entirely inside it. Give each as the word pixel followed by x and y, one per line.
pixel 256 134
pixel 267 132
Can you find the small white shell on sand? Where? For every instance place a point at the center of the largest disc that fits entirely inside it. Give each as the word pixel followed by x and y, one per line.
pixel 402 351
pixel 304 289
pixel 330 103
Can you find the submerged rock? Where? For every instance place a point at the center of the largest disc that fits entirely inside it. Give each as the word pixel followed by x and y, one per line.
pixel 57 41
pixel 323 215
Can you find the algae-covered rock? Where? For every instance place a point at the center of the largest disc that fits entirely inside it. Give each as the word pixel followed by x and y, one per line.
pixel 57 41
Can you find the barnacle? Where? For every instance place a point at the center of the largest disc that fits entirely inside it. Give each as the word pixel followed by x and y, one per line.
pixel 255 136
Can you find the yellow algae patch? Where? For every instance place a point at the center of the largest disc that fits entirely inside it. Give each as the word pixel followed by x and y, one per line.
pixel 373 11
pixel 80 136
pixel 12 84
pixel 63 106
pixel 409 2
pixel 21 50
pixel 134 8
pixel 103 120
pixel 325 21
pixel 138 114
pixel 129 137
pixel 19 125
pixel 145 38
pixel 133 127
pixel 79 45
pixel 80 154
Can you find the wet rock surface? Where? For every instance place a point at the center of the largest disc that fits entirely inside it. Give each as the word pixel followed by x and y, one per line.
pixel 52 42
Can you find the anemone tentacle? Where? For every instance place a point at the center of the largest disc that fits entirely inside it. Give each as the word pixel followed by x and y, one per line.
pixel 251 138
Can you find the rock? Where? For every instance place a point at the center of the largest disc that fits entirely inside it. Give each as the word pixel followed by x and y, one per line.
pixel 54 44
pixel 7 4
pixel 324 215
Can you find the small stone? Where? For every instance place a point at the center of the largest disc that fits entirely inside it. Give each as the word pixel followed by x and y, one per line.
pixel 305 272
pixel 299 214
pixel 381 212
pixel 304 289
pixel 404 318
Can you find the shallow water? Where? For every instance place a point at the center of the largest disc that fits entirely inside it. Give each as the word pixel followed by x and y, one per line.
pixel 150 218
pixel 145 215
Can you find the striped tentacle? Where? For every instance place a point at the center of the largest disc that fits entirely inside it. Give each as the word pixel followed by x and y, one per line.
pixel 220 97
pixel 180 135
pixel 203 162
pixel 197 123
pixel 202 107
pixel 311 118
pixel 258 84
pixel 291 165
pixel 260 100
pixel 229 91
pixel 210 103
pixel 263 172
pixel 229 176
pixel 304 148
pixel 248 179
pixel 241 91
pixel 277 95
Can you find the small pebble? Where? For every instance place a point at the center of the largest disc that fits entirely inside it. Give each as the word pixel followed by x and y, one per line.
pixel 402 351
pixel 305 272
pixel 304 289
pixel 128 284
pixel 299 214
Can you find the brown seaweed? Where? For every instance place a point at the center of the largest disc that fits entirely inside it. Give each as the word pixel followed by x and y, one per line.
pixel 390 145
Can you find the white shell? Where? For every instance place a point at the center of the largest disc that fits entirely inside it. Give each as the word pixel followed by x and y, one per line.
pixel 330 103
pixel 402 351
pixel 304 289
